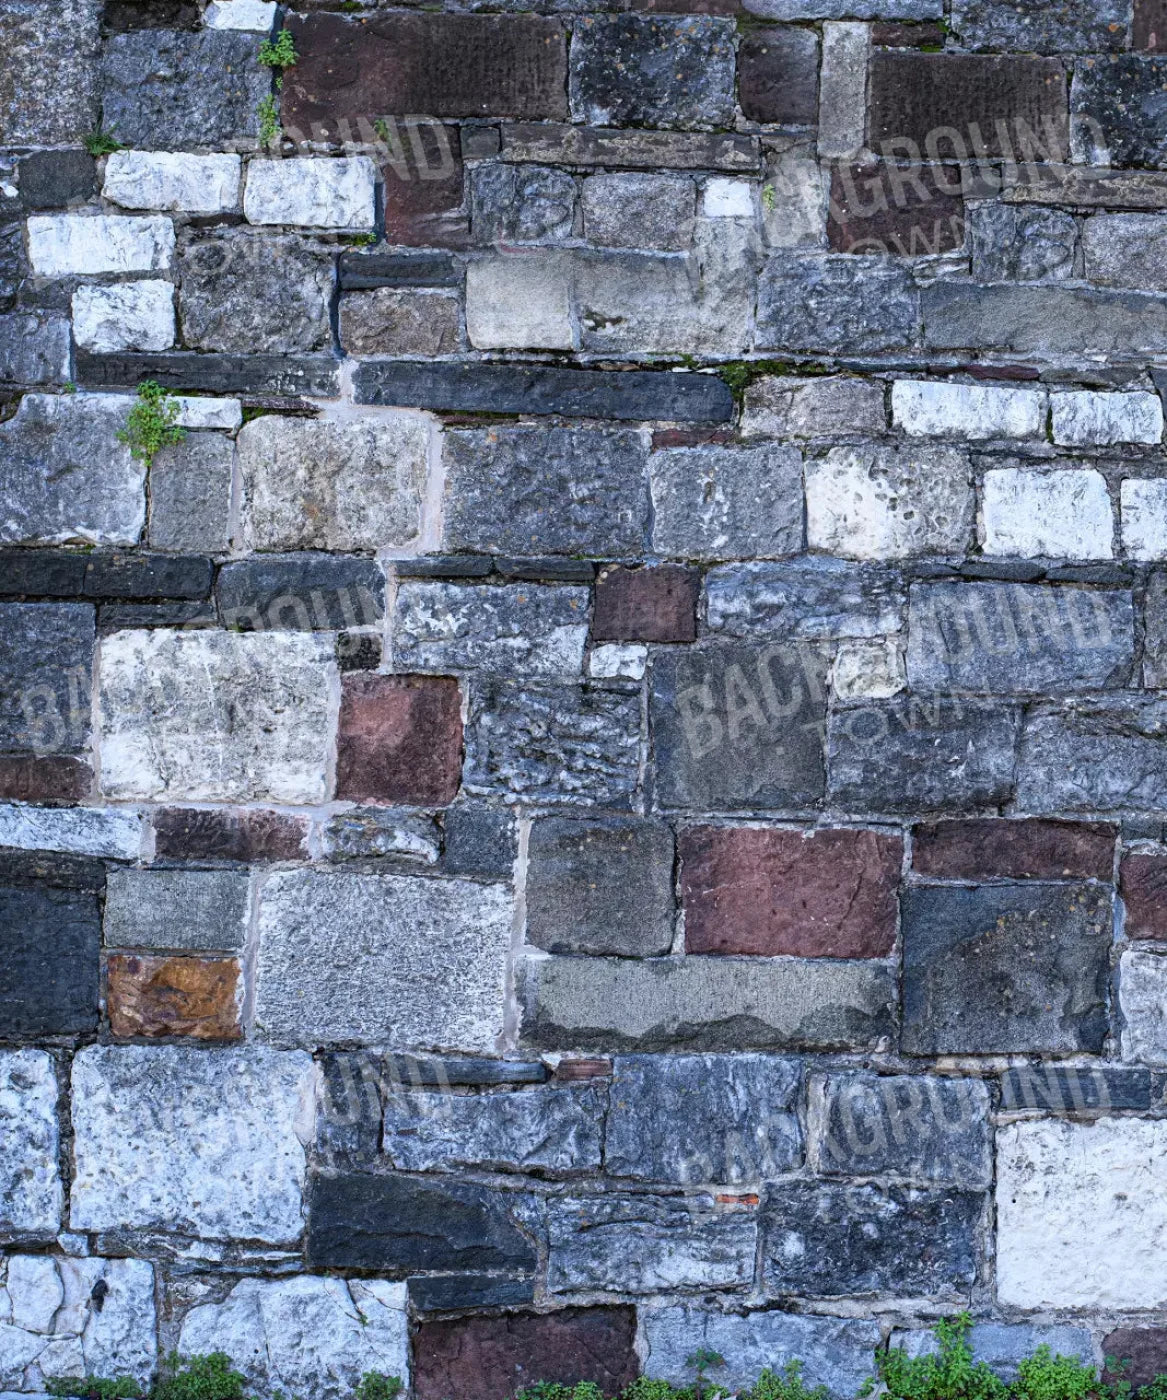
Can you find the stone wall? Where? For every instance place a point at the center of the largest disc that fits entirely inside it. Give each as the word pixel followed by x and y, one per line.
pixel 609 796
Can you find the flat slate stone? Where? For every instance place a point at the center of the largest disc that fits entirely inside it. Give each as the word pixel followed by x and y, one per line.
pixel 548 144
pixel 1055 1089
pixel 304 592
pixel 1014 850
pixel 778 76
pixel 49 940
pixel 192 833
pixel 46 676
pixel 657 604
pixel 438 1293
pixel 290 375
pixel 378 268
pixel 1079 26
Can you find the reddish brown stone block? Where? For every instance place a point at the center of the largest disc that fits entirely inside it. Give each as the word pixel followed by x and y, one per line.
pixel 647 605
pixel 1014 850
pixel 424 204
pixel 400 739
pixel 24 778
pixel 829 894
pixel 583 1069
pixel 196 997
pixel 1143 886
pixel 1150 31
pixel 896 34
pixel 192 833
pixel 489 1358
pixel 905 210
pixel 1144 1349
pixel 355 70
pixel 777 71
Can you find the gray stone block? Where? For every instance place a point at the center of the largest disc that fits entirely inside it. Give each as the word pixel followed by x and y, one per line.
pixel 481 842
pixel 726 502
pixel 552 144
pixel 459 1292
pixel 49 104
pixel 1118 94
pixel 713 1003
pixel 400 321
pixel 1056 1089
pixel 521 204
pixel 703 1119
pixel 190 494
pixel 31 1195
pixel 381 832
pixel 46 676
pixel 602 887
pixel 1094 756
pixel 639 1244
pixel 842 304
pixel 49 956
pixel 301 592
pixel 999 969
pixel 34 349
pixel 1013 243
pixel 316 376
pixel 1126 250
pixel 917 1128
pixel 195 910
pixel 782 406
pixel 623 209
pixel 822 1240
pixel 1080 26
pixel 805 598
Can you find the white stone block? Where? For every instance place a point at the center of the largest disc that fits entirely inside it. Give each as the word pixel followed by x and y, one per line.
pixel 190 1141
pixel 1028 513
pixel 618 661
pixel 216 716
pixel 209 413
pixel 868 668
pixel 305 1335
pixel 727 199
pixel 973 411
pixel 1082 1214
pixel 129 316
pixel 1085 419
pixel 520 301
pixel 173 180
pixel 31 1196
pixel 312 192
pixel 256 16
pixel 82 831
pixel 1142 995
pixel 1143 507
pixel 76 245
pixel 843 89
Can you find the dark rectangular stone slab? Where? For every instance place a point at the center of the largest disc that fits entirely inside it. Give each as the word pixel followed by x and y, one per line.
pixel 42 573
pixel 116 617
pixel 1014 850
pixel 545 144
pixel 445 566
pixel 904 211
pixel 27 778
pixel 304 592
pixel 49 948
pixel 51 870
pixel 120 575
pixel 460 1292
pixel 383 269
pixel 1122 94
pixel 479 841
pixel 46 669
pixel 1099 755
pixel 56 179
pixel 546 570
pixel 416 1071
pixel 1066 1089
pixel 193 833
pixel 314 376
pixel 635 395
pixel 778 75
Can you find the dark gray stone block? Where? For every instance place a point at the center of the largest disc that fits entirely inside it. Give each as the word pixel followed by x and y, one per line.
pixel 117 575
pixel 49 103
pixel 810 598
pixel 55 179
pixel 1074 26
pixel 301 592
pixel 481 842
pixel 378 268
pixel 1069 1089
pixel 213 374
pixel 49 947
pixel 1094 756
pixel 34 349
pixel 461 1292
pixel 46 676
pixel 1122 95
pixel 521 204
pixel 836 304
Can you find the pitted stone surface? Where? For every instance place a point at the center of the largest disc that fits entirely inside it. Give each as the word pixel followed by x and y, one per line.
pixel 53 105
pixel 163 180
pixel 69 245
pixel 312 192
pixel 31 1194
pixel 725 503
pixel 46 676
pixel 188 909
pixel 134 316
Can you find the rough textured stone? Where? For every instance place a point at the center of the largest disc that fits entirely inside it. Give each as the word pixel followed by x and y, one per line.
pixel 778 77
pixel 520 299
pixel 305 1334
pixel 925 409
pixel 87 831
pixel 1125 250
pixel 53 179
pixel 46 676
pixel 214 374
pixel 397 321
pixel 400 1222
pixel 633 150
pixel 312 192
pixel 164 180
pixel 31 1195
pixel 521 204
pixel 553 743
pixel 490 1358
pixel 622 209
pixel 265 698
pixel 199 998
pixel 601 887
pixel 1090 25
pixel 843 89
pixel 1011 244
pixel 1004 969
pixel 400 739
pixel 320 484
pixel 827 1241
pixel 480 841
pixel 1104 1183
pixel 726 502
pixel 1103 420
pixel 188 833
pixel 224 1161
pixel 811 598
pixel 256 16
pixel 705 1004
pixel 381 960
pixel 698 1119
pixel 1068 1090
pixel 193 910
pixel 835 304
pixel 652 70
pixel 545 491
pixel 190 495
pixel 68 245
pixel 49 968
pixel 1143 1349
pixel 551 1130
pixel 913 1128
pixel 657 604
pixel 1014 850
pixel 166 88
pixel 637 1244
pixel 134 316
pixel 301 592
pixel 34 349
pixel 26 778
pixel 771 892
pixel 1064 514
pixel 1143 885
pixel 857 501
pixel 65 475
pixel 1118 95
pixel 252 294
pixel 1002 1345
pixel 834 1352
pixel 787 406
pixel 1094 756
pixel 1007 637
pixel 365 832
pixel 437 1293
pixel 1141 507
pixel 38 106
pixel 1142 985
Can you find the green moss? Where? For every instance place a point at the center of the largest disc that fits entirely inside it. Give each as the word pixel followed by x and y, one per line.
pixel 95 1387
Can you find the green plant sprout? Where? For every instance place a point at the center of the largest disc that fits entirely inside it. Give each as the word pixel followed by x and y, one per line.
pixel 100 142
pixel 281 53
pixel 269 120
pixel 152 424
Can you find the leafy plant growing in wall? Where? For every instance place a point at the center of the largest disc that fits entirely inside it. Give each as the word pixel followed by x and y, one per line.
pixel 152 424
pixel 277 54
pixel 100 142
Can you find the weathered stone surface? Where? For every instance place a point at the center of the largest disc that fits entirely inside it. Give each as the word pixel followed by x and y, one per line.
pixel 1117 95
pixel 188 833
pixel 601 887
pixel 770 892
pixel 1005 969
pixel 479 841
pixel 828 1241
pixel 1002 1345
pixel 53 179
pixel 811 598
pixel 705 1003
pixel 846 9
pixel 1018 637
pixel 553 743
pixel 399 321
pixel 214 374
pixel 1102 420
pixel 132 316
pixel 65 476
pixel 166 180
pixel 1011 244
pixel 31 1195
pixel 834 1352
pixel 726 502
pixel 520 299
pixel 305 1334
pixel 551 1130
pixel 835 304
pixel 26 778
pixel 87 831
pixel 1094 756
pixel 1104 1183
pixel 364 832
pixel 482 1358
pixel 1091 187
pixel 521 204
pixel 868 668
pixel 67 245
pixel 782 406
pixel 256 16
pixel 1143 885
pixel 616 662
pixel 923 408
pixel 400 739
pixel 300 592
pixel 622 209
pixel 198 998
pixel 41 107
pixel 1014 850
pixel 312 192
pixel 857 501
pixel 1142 988
pixel 545 491
pixel 1141 508
pixel 254 294
pixel 843 89
pixel 899 210
pixel 224 1161
pixel 115 574
pixel 321 484
pixel 778 76
pixel 637 1244
pixel 381 960
pixel 166 88
pixel 401 1222
pixel 657 604
pixel 190 494
pixel 631 149
pixel 68 1316
pixel 1058 514
pixel 915 1128
pixel 516 629
pixel 189 909
pixel 1092 26
pixel 739 726
pixel 922 755
pixel 34 349
pixel 1054 1089
pixel 46 676
pixel 697 1119
pixel 1143 1349
pixel 443 65
pixel 437 1293
pixel 49 968
pixel 1125 250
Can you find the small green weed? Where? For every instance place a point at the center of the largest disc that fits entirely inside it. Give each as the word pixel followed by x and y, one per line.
pixel 375 1385
pixel 100 142
pixel 281 53
pixel 95 1387
pixel 360 240
pixel 269 120
pixel 151 425
pixel 198 1378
